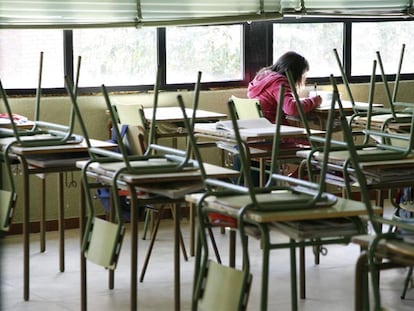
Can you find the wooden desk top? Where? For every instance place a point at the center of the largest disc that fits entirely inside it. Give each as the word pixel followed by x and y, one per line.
pixel 347 106
pixel 108 169
pixel 174 114
pixel 342 208
pixel 5 123
pixel 250 135
pixel 66 148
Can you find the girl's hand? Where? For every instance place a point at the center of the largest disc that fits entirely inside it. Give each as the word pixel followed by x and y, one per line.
pixel 317 100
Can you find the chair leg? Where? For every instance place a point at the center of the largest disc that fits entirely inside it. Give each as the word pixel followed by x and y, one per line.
pixel 151 245
pixel 232 248
pixel 43 216
pixel 302 273
pixel 407 281
pixel 214 244
pixel 182 244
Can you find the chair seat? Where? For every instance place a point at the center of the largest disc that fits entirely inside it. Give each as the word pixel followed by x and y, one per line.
pixel 396 250
pixel 363 240
pixel 276 200
pixel 313 229
pixel 400 251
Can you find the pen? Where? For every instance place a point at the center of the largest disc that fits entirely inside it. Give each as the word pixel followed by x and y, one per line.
pixel 315 88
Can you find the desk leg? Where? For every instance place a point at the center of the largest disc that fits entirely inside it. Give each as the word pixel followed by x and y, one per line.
pixel 82 257
pixel 302 272
pixel 26 229
pixel 134 247
pixel 262 170
pixel 265 268
pixel 192 228
pixel 43 215
pixel 177 257
pixel 294 290
pixel 61 225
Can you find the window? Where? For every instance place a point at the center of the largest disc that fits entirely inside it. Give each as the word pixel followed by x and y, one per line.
pixel 20 58
pixel 314 41
pixel 385 37
pixel 214 50
pixel 126 58
pixel 116 57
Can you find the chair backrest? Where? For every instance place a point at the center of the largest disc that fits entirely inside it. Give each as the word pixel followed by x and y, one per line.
pixel 224 288
pixel 247 108
pixel 132 120
pixel 130 114
pixel 7 205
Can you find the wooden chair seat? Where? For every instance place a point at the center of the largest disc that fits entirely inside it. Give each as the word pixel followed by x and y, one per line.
pixel 317 229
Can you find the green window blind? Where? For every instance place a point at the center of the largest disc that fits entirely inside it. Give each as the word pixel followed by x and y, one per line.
pixel 113 13
pixel 348 7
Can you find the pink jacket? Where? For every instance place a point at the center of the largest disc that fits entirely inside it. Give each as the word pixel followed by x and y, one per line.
pixel 266 86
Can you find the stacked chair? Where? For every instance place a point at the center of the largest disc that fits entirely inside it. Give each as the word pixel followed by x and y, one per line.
pixel 381 250
pixel 280 193
pixel 392 113
pixel 41 133
pixel 319 230
pixel 102 239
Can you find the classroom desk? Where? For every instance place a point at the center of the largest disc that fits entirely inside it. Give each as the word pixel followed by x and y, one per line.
pixel 380 175
pixel 43 160
pixel 149 183
pixel 259 144
pixel 342 208
pixel 5 123
pixel 175 115
pixel 387 120
pixel 170 120
pixel 320 114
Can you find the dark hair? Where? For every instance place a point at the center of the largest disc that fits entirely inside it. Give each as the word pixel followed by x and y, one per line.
pixel 296 63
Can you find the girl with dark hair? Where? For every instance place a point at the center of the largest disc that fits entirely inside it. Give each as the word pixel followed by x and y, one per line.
pixel 266 85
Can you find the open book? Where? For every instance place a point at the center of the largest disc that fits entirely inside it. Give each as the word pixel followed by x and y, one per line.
pixel 257 127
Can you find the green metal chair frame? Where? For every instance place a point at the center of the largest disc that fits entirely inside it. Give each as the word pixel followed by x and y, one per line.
pixel 134 117
pixel 385 115
pixel 294 194
pixel 317 231
pixel 175 160
pixel 55 134
pixel 388 245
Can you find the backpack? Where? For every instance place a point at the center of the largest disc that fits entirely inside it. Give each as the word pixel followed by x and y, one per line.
pixel 404 211
pixel 103 194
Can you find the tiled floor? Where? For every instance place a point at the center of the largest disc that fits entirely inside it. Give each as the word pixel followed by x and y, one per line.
pixel 330 285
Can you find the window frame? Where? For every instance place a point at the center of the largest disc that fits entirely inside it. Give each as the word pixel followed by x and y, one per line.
pixel 257 53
